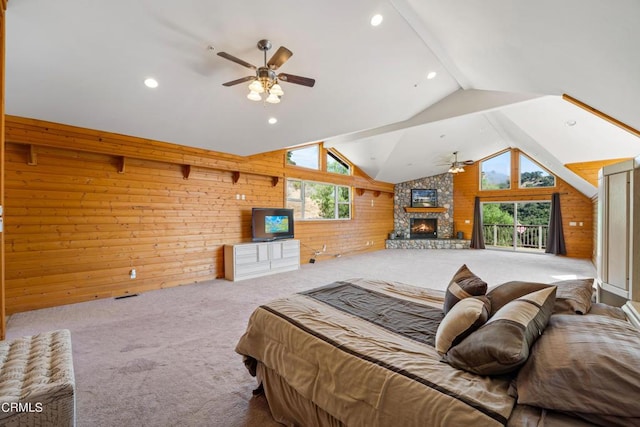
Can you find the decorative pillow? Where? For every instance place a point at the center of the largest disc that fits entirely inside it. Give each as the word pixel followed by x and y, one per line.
pixel 584 364
pixel 503 294
pixel 502 344
pixel 465 317
pixel 573 296
pixel 464 284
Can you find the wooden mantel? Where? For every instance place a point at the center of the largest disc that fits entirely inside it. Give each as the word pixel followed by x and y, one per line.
pixel 409 209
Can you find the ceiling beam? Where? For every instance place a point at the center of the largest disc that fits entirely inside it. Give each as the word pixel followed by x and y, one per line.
pixel 602 115
pixel 459 103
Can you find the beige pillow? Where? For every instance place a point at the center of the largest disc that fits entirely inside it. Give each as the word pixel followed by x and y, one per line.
pixel 464 284
pixel 465 317
pixel 502 344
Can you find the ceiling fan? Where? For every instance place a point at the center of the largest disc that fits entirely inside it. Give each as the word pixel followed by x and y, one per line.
pixel 266 80
pixel 458 166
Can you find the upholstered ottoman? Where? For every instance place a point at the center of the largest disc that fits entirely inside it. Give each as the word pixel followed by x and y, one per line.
pixel 37 385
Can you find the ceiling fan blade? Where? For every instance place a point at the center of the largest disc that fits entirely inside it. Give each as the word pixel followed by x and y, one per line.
pixel 280 57
pixel 238 81
pixel 290 78
pixel 232 58
pixel 468 162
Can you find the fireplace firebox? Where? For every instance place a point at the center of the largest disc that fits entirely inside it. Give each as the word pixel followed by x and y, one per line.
pixel 423 228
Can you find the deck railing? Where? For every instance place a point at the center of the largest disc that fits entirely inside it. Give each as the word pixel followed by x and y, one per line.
pixel 526 236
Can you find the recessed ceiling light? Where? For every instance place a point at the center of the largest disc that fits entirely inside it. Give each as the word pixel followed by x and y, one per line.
pixel 431 75
pixel 570 123
pixel 273 121
pixel 152 83
pixel 376 20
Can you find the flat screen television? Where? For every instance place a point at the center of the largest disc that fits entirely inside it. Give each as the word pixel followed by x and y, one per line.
pixel 269 224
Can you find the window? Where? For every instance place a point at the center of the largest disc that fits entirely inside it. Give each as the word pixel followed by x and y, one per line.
pixel 336 165
pixel 496 172
pixel 317 200
pixel 307 157
pixel 533 175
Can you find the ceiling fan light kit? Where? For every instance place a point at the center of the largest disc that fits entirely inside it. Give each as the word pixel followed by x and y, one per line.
pixel 456 166
pixel 266 80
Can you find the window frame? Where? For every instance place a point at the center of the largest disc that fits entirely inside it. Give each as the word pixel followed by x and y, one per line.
pixel 520 155
pixel 510 171
pixel 318 148
pixel 302 200
pixel 339 159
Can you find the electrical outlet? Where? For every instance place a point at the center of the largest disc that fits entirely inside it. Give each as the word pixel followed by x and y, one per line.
pixel 132 273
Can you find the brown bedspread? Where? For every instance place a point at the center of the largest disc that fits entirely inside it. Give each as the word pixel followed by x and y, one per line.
pixel 363 351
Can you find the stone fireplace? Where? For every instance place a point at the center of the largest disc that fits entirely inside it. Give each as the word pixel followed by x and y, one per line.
pixel 444 219
pixel 423 228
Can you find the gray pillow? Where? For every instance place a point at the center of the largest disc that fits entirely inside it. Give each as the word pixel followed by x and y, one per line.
pixel 502 344
pixel 464 284
pixel 572 296
pixel 584 364
pixel 503 294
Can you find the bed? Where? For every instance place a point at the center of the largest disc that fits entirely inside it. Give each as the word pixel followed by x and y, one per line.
pixel 373 353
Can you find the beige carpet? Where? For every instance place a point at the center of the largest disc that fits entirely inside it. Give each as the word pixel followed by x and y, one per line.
pixel 166 358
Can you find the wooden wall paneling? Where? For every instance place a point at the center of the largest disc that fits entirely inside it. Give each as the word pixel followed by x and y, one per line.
pixel 80 220
pixel 589 170
pixel 31 131
pixel 594 251
pixel 78 226
pixel 575 206
pixel 372 220
pixel 372 215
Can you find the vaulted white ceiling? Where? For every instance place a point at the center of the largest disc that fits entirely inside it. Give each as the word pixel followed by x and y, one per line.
pixel 502 66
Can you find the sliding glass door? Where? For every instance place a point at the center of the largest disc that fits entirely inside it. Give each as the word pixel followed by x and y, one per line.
pixel 518 226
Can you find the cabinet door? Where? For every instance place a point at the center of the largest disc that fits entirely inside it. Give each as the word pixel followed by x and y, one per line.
pixel 263 252
pixel 617 230
pixel 251 259
pixel 276 250
pixel 291 249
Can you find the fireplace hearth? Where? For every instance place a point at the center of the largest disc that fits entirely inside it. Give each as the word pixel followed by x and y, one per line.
pixel 423 228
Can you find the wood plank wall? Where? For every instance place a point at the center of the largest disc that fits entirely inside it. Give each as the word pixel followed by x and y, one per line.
pixel 594 251
pixel 575 206
pixel 78 220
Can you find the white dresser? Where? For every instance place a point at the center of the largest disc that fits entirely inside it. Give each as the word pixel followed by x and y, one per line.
pixel 255 259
